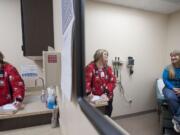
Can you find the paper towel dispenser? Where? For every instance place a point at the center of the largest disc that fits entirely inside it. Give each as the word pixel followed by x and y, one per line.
pixel 51 68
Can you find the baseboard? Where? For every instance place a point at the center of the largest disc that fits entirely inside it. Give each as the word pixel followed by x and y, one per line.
pixel 133 114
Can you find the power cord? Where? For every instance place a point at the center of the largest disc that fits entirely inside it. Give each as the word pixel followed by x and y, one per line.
pixel 122 91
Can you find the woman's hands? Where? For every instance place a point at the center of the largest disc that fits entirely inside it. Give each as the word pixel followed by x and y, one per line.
pixel 18 105
pixel 104 97
pixel 90 96
pixel 177 91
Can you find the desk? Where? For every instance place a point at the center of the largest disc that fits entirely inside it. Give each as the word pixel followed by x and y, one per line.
pixel 33 106
pixel 99 105
pixel 35 113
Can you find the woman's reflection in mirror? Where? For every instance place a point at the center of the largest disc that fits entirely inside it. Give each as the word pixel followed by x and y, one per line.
pixel 100 79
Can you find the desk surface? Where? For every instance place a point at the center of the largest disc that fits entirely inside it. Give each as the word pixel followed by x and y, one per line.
pixel 33 106
pixel 97 104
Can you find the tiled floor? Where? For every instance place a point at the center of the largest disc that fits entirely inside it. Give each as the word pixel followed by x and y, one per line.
pixel 37 130
pixel 146 124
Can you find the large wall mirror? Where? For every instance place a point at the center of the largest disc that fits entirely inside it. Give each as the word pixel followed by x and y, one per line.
pixel 127 49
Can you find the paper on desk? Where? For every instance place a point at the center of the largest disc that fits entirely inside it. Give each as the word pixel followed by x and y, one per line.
pixel 9 107
pixel 98 101
pixel 95 98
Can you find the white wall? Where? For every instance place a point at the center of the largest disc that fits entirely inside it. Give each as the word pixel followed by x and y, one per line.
pixel 11 35
pixel 173 34
pixel 128 32
pixel 57 25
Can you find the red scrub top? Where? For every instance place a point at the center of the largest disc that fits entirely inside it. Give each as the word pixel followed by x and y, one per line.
pixel 11 85
pixel 98 81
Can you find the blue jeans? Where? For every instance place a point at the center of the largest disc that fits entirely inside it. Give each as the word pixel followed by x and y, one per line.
pixel 173 101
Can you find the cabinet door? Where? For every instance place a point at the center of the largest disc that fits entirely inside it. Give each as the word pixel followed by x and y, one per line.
pixel 37 26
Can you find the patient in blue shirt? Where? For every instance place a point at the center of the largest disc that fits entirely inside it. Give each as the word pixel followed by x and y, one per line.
pixel 172 83
pixel 171 78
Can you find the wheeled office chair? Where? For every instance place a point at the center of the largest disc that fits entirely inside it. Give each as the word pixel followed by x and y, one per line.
pixel 165 117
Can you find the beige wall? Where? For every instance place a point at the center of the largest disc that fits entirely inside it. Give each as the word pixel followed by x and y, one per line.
pixel 11 35
pixel 128 32
pixel 173 34
pixel 57 25
pixel 136 33
pixel 73 121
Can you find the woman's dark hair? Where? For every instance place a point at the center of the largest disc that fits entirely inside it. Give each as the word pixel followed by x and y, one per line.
pixel 1 57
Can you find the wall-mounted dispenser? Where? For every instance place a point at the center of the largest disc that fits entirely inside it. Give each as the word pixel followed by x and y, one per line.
pixel 130 65
pixel 51 68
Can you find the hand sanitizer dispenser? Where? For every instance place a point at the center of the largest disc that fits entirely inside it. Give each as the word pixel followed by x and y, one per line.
pixel 51 98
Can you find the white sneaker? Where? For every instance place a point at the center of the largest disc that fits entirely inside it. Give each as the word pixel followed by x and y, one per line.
pixel 176 126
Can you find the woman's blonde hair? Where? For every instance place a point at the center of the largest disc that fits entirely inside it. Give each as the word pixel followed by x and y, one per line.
pixel 99 53
pixel 171 67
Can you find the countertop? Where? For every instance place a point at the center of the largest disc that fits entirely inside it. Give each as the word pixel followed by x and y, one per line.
pixel 33 105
